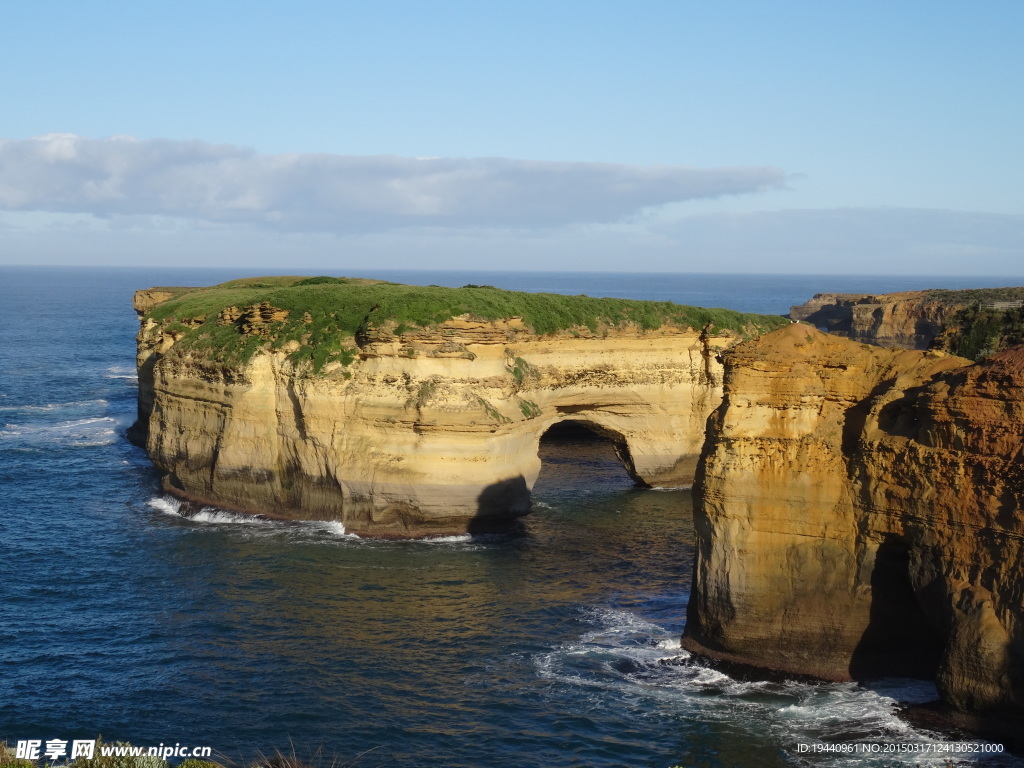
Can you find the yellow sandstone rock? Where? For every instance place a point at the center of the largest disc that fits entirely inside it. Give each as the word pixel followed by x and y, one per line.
pixel 434 431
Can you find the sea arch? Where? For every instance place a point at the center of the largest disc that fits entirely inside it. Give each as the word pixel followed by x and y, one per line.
pixel 435 442
pixel 656 433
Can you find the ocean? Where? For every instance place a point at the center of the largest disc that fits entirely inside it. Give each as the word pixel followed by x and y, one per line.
pixel 554 646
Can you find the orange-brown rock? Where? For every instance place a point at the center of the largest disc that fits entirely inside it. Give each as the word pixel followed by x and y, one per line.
pixel 859 514
pixel 910 319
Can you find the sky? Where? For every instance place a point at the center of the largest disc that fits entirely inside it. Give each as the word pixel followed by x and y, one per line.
pixel 655 136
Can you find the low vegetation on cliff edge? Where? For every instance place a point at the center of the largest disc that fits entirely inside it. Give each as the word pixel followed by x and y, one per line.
pixel 969 296
pixel 323 316
pixel 986 321
pixel 976 333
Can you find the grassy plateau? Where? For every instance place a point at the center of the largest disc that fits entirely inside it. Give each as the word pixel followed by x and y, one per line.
pixel 326 314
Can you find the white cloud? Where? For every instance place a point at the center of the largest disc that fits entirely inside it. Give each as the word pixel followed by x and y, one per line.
pixel 64 173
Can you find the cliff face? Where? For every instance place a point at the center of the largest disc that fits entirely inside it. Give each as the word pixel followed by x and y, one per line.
pixel 858 515
pixel 972 323
pixel 908 320
pixel 430 430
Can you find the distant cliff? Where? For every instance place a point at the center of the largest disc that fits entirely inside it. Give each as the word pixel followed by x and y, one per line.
pixel 971 323
pixel 858 514
pixel 409 411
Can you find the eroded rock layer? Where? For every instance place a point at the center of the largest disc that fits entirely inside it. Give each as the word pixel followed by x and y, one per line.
pixel 429 431
pixel 859 514
pixel 972 323
pixel 909 320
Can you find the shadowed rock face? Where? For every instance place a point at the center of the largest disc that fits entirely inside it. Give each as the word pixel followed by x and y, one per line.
pixel 858 514
pixel 909 320
pixel 435 431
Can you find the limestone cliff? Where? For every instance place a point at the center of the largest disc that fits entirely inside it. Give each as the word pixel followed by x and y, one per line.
pixel 405 428
pixel 909 320
pixel 971 323
pixel 858 514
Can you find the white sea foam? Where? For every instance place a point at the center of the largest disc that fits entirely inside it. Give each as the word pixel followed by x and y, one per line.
pixel 616 624
pixel 36 425
pixel 459 539
pixel 824 709
pixel 171 506
pixel 50 407
pixel 165 504
pixel 121 372
pixel 99 430
pixel 312 531
pixel 626 655
pixel 334 527
pixel 224 517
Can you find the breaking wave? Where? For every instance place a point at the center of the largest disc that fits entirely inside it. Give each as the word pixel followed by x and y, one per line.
pixel 215 516
pixel 171 506
pixel 626 656
pixel 168 505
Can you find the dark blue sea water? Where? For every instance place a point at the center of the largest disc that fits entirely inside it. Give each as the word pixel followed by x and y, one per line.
pixel 555 647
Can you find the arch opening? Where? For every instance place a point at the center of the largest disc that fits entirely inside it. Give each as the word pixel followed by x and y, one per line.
pixel 580 453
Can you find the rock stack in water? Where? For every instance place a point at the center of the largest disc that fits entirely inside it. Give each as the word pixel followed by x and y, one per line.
pixel 859 515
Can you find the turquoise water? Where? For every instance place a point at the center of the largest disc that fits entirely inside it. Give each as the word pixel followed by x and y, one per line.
pixel 554 646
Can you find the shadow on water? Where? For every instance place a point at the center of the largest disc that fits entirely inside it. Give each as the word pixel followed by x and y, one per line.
pixel 499 507
pixel 577 456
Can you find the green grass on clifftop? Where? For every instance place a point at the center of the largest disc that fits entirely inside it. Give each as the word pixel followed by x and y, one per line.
pixel 326 314
pixel 969 296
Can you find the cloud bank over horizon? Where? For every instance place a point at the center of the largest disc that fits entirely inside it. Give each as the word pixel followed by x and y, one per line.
pixel 224 184
pixel 878 241
pixel 66 200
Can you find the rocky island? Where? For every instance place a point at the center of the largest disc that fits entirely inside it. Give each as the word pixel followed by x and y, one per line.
pixel 410 411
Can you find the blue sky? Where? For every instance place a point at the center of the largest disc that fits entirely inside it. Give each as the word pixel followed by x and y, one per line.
pixel 860 137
